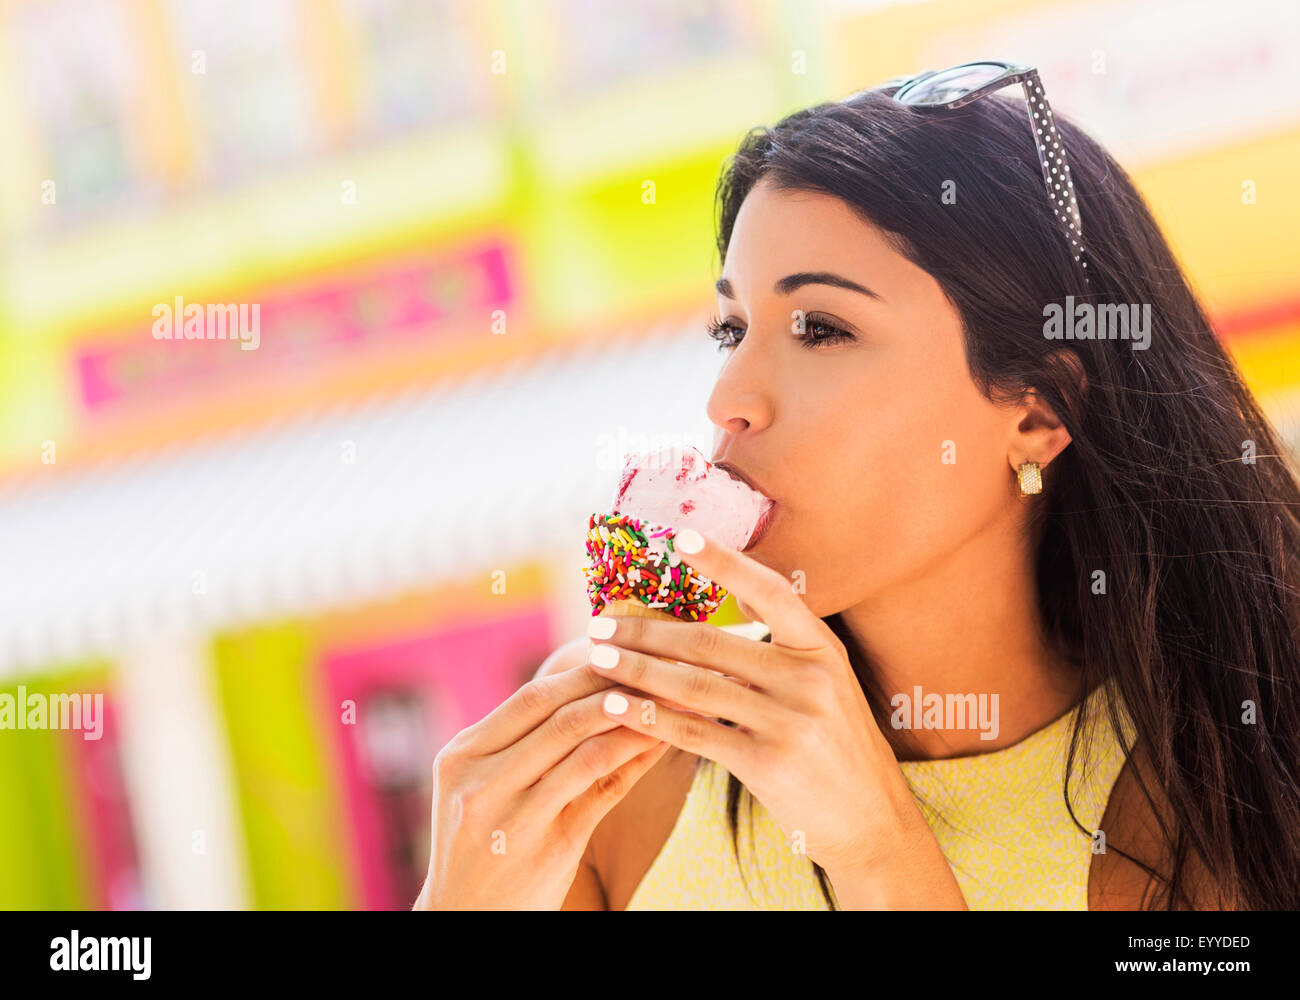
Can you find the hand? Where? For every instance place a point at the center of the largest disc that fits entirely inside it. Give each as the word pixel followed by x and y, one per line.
pixel 517 795
pixel 805 744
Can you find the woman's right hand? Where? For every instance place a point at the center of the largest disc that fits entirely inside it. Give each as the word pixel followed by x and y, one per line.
pixel 517 795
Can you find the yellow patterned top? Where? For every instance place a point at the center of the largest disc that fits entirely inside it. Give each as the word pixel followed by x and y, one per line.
pixel 1000 818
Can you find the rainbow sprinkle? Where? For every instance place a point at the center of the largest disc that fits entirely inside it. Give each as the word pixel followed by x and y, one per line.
pixel 634 560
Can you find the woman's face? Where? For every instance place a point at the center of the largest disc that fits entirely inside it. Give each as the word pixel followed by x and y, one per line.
pixel 882 455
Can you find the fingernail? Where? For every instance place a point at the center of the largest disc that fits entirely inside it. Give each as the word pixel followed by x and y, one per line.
pixel 615 703
pixel 601 628
pixel 603 656
pixel 689 541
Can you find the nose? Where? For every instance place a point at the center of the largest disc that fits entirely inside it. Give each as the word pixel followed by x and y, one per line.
pixel 741 400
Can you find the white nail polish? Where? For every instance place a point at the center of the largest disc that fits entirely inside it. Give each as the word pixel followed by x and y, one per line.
pixel 615 703
pixel 603 656
pixel 601 628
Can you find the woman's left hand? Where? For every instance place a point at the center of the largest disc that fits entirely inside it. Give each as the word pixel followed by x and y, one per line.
pixel 805 744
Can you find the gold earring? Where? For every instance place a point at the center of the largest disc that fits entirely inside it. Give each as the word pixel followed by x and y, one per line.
pixel 1031 480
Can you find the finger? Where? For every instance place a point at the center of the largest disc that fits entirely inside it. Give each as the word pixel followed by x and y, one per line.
pixel 592 805
pixel 761 587
pixel 693 733
pixel 587 765
pixel 684 685
pixel 528 708
pixel 747 661
pixel 527 761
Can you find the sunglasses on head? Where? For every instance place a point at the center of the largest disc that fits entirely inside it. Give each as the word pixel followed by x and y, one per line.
pixel 960 85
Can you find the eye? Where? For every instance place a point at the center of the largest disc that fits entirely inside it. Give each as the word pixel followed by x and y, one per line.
pixel 819 331
pixel 724 333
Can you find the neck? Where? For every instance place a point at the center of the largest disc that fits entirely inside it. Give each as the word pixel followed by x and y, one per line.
pixel 969 625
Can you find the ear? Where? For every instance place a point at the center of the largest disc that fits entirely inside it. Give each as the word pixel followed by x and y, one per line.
pixel 1039 435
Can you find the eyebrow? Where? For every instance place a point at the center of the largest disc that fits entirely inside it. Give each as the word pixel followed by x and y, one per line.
pixel 793 282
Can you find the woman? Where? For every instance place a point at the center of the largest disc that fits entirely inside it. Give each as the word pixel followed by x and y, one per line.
pixel 1091 544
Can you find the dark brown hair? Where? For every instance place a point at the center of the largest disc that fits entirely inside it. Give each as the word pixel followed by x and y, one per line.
pixel 1199 546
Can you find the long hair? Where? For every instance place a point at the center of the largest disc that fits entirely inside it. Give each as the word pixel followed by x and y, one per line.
pixel 1174 485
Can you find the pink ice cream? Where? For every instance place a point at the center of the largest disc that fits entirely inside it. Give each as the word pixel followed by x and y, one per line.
pixel 690 493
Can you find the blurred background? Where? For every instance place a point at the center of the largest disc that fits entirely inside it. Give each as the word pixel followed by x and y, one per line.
pixel 455 229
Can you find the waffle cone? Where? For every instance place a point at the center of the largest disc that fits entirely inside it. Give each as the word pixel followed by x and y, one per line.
pixel 635 609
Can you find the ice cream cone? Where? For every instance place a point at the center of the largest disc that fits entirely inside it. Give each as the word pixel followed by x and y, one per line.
pixel 633 567
pixel 635 609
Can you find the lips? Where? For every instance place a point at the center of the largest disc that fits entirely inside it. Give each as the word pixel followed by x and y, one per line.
pixel 764 521
pixel 735 473
pixel 761 529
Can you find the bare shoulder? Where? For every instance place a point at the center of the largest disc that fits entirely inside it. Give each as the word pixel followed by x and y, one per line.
pixel 1132 823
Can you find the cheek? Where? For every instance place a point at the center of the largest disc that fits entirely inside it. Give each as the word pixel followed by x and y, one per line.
pixel 946 475
pixel 898 475
pixel 842 475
